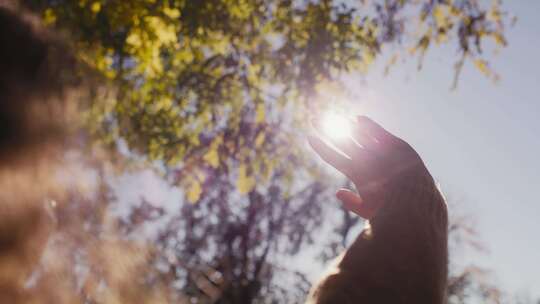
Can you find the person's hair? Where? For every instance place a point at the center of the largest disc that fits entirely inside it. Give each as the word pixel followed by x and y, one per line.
pixel 37 74
pixel 37 78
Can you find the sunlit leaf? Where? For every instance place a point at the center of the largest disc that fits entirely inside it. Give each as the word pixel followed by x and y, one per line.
pixel 95 7
pixel 260 113
pixel 49 16
pixel 481 65
pixel 194 191
pixel 244 183
pixel 259 140
pixel 440 15
pixel 212 157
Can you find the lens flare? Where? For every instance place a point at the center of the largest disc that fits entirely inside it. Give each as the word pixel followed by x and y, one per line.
pixel 335 126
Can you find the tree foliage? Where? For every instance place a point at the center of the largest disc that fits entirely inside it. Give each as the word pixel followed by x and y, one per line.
pixel 212 85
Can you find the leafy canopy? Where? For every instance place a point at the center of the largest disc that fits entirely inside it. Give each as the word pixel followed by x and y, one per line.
pixel 225 85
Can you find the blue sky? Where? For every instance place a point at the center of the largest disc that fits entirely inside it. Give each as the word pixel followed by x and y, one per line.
pixel 481 141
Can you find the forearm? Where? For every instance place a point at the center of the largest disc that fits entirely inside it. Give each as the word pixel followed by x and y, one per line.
pixel 402 257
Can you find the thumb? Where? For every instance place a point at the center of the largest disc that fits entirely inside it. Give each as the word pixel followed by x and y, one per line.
pixel 354 203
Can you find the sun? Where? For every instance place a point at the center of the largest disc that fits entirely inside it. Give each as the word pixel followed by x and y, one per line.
pixel 335 126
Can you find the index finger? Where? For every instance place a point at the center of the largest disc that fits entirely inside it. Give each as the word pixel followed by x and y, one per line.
pixel 328 154
pixel 374 129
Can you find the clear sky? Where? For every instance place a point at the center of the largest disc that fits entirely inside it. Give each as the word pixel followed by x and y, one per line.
pixel 481 141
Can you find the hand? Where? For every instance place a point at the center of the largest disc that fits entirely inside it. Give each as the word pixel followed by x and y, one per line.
pixel 374 158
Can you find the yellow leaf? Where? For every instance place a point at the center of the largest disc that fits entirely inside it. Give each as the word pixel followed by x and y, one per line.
pixel 442 37
pixel 212 157
pixel 499 39
pixel 439 15
pixel 244 183
pixel 200 175
pixel 260 113
pixel 368 57
pixel 134 39
pixel 194 191
pixel 185 55
pixel 269 168
pixel 95 7
pixel 454 11
pixel 49 17
pixel 482 66
pixel 171 12
pixel 259 140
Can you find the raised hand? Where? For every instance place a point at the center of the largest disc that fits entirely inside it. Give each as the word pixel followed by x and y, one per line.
pixel 374 157
pixel 402 256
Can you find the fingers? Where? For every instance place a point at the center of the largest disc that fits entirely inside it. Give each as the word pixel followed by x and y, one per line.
pixel 347 146
pixel 344 144
pixel 328 154
pixel 374 130
pixel 354 203
pixel 362 138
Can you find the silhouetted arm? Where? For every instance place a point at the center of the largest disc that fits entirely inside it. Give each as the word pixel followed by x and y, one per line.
pixel 402 257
